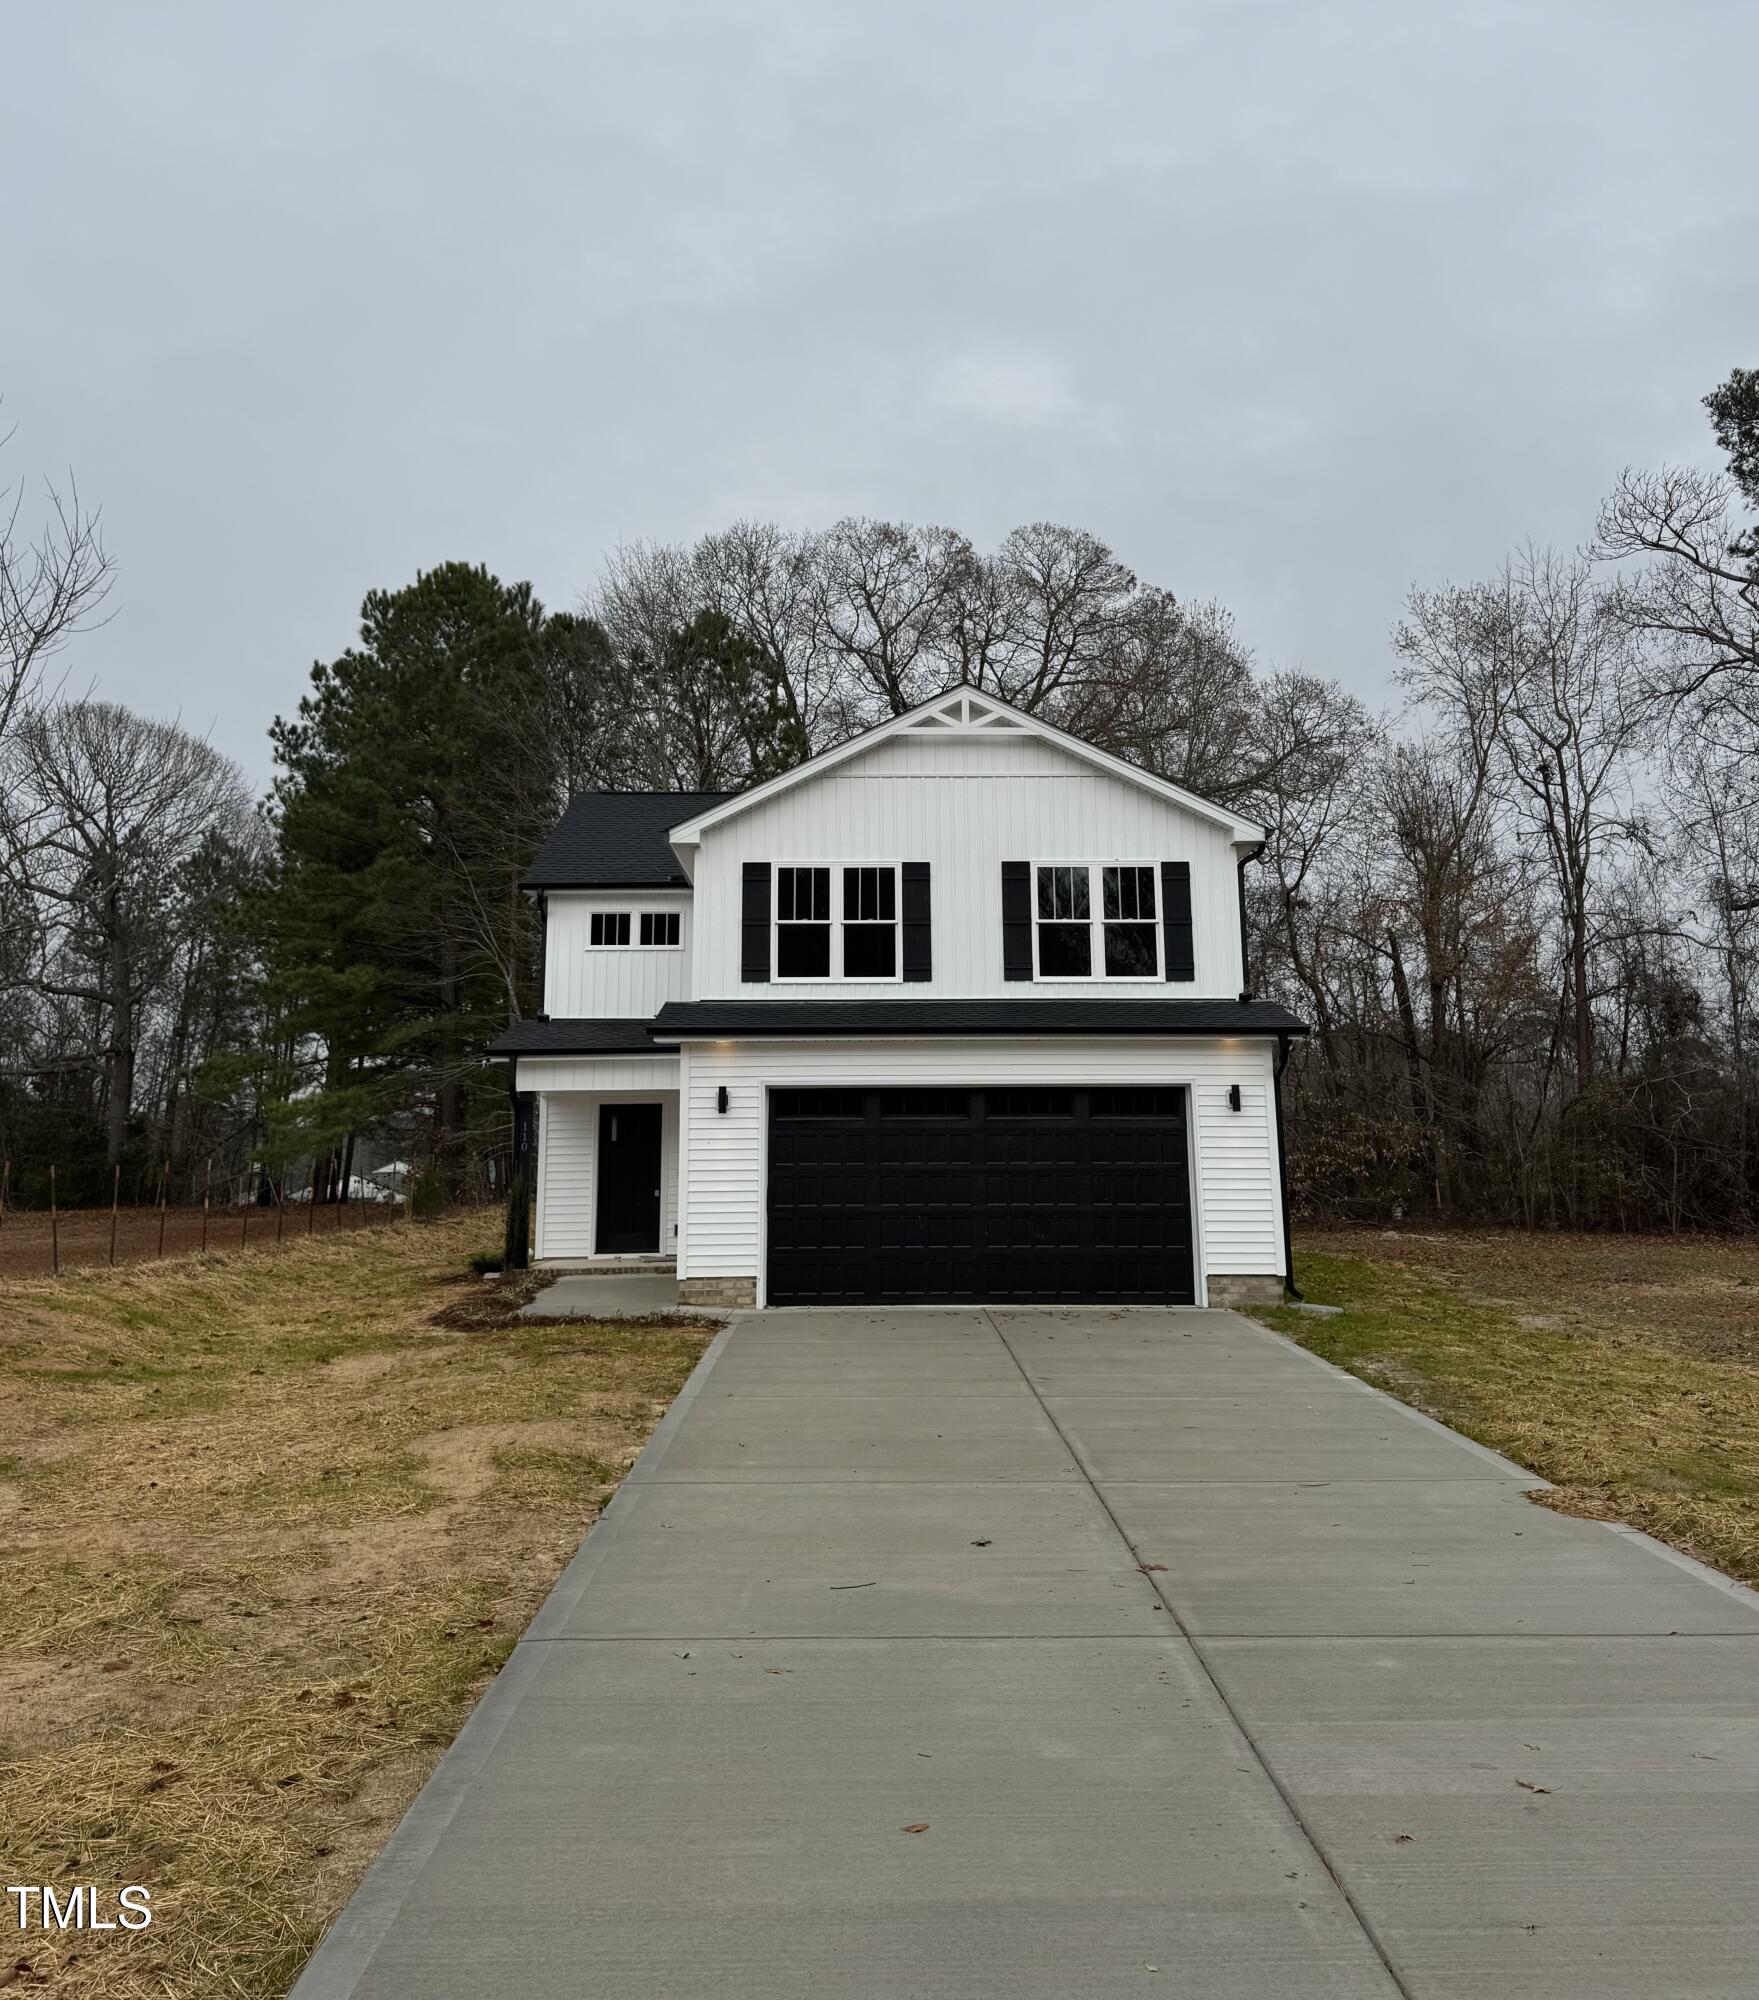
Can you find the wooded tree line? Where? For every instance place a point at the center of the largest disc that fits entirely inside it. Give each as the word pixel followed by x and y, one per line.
pixel 1525 919
pixel 1522 911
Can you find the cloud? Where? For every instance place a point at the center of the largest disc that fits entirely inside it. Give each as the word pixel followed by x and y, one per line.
pixel 1011 388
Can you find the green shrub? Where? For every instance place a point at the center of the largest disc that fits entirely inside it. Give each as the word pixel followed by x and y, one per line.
pixel 427 1195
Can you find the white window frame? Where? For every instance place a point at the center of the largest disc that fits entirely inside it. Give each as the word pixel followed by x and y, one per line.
pixel 635 914
pixel 1096 974
pixel 836 976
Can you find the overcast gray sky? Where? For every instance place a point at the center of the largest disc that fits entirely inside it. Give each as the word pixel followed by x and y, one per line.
pixel 1295 302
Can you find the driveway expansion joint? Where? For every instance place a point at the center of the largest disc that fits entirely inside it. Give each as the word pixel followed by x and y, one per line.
pixel 1364 1922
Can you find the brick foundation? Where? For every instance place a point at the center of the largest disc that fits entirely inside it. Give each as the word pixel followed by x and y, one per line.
pixel 717 1292
pixel 1246 1289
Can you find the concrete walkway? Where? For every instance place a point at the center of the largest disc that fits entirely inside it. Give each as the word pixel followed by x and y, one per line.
pixel 966 1655
pixel 606 1295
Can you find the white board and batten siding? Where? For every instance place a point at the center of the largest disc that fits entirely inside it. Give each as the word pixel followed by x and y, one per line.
pixel 965 803
pixel 1237 1210
pixel 567 1147
pixel 616 983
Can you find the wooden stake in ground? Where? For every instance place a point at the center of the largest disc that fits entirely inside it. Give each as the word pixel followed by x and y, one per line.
pixel 280 1210
pixel 5 1183
pixel 244 1231
pixel 164 1175
pixel 115 1197
pixel 311 1198
pixel 207 1190
pixel 54 1223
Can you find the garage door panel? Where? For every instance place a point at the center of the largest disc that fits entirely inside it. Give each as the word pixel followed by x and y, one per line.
pixel 947 1196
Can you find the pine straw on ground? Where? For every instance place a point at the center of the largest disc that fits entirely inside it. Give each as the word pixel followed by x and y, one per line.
pixel 268 1526
pixel 1626 1370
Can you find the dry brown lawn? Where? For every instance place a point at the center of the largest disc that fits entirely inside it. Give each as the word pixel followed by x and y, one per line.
pixel 268 1525
pixel 1625 1369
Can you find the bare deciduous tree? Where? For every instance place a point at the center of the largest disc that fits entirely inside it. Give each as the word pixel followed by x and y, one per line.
pixel 52 583
pixel 107 810
pixel 1695 589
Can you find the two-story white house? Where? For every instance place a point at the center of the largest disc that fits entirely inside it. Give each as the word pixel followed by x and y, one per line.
pixel 953 1012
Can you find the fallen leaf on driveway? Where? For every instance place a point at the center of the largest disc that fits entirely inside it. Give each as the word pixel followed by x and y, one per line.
pixel 1527 1785
pixel 1148 1569
pixel 920 1827
pixel 868 1585
pixel 982 1542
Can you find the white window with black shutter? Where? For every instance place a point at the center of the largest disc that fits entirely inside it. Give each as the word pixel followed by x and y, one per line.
pixel 863 921
pixel 1092 920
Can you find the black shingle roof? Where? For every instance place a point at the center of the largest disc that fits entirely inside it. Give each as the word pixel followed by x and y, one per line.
pixel 617 840
pixel 577 1038
pixel 735 1020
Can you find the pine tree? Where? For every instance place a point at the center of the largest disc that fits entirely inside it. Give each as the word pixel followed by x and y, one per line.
pixel 415 783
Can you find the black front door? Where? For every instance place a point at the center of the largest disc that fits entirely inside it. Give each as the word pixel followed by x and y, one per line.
pixel 925 1196
pixel 629 1178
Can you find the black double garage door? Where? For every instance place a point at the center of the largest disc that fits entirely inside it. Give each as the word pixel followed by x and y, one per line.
pixel 935 1196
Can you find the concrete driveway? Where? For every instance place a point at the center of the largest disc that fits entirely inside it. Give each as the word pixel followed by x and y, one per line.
pixel 1002 1655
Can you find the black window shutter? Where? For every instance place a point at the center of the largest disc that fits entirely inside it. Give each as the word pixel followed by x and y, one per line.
pixel 1016 920
pixel 754 923
pixel 918 936
pixel 1175 895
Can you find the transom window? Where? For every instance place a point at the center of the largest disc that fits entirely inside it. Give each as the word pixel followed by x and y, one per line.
pixel 618 930
pixel 837 923
pixel 1126 920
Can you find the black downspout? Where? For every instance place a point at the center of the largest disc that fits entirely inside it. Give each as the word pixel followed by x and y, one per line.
pixel 1245 954
pixel 1284 1045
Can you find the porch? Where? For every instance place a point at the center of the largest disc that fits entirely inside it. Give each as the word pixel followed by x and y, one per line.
pixel 607 1180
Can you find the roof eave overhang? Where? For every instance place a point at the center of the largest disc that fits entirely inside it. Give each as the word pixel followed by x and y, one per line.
pixel 679 883
pixel 736 1021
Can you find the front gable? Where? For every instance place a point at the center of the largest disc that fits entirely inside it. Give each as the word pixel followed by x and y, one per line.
pixel 964 733
pixel 977 795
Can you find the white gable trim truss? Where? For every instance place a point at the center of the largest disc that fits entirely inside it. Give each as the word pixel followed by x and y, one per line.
pixel 966 712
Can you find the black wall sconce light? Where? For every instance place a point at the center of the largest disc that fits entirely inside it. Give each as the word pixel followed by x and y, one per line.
pixel 721 1099
pixel 1233 1097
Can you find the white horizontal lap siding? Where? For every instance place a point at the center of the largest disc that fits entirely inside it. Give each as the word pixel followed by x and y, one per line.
pixel 1239 1219
pixel 568 1125
pixel 1240 1191
pixel 600 1073
pixel 965 805
pixel 625 982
